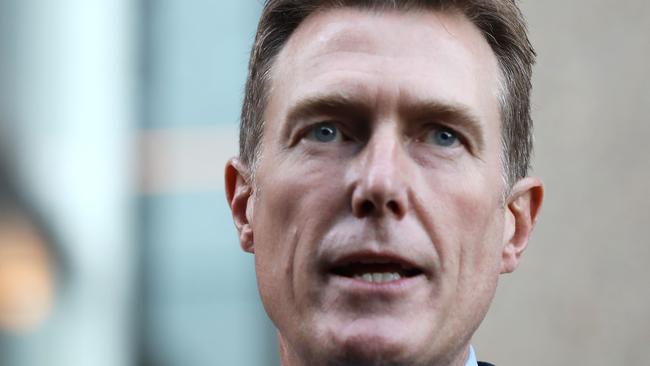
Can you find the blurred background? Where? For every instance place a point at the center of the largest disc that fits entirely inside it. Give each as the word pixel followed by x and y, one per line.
pixel 116 245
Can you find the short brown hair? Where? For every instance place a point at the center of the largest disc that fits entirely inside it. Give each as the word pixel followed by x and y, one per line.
pixel 500 21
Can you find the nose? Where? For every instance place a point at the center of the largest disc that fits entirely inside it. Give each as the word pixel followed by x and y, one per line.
pixel 381 178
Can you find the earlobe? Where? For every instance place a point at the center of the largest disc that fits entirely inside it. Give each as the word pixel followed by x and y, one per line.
pixel 238 195
pixel 522 208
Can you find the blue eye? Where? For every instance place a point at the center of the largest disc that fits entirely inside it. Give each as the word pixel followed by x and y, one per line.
pixel 324 132
pixel 443 137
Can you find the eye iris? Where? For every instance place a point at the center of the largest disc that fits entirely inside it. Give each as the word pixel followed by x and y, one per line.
pixel 445 138
pixel 325 133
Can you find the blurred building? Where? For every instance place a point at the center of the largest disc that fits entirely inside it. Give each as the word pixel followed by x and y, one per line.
pixel 120 116
pixel 30 263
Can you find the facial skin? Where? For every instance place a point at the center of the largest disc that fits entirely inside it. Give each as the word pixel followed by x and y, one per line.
pixel 381 153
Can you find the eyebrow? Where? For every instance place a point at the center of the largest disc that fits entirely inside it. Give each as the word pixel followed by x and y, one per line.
pixel 336 103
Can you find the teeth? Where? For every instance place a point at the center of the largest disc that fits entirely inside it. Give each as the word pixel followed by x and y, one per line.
pixel 379 277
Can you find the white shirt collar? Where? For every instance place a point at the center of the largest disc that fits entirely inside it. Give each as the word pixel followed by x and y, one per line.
pixel 471 358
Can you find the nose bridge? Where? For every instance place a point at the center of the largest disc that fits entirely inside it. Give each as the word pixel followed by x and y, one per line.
pixel 381 160
pixel 381 186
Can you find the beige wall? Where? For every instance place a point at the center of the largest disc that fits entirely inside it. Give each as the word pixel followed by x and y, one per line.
pixel 582 293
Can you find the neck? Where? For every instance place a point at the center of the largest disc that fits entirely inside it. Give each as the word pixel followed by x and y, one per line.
pixel 288 357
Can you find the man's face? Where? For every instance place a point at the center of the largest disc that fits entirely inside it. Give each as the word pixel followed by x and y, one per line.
pixel 377 216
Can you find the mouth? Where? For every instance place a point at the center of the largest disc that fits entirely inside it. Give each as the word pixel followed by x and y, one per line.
pixel 375 269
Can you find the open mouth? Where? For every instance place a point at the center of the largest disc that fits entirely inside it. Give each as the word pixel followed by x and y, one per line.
pixel 375 270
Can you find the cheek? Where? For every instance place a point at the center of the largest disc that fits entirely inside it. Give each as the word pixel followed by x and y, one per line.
pixel 480 217
pixel 467 219
pixel 295 198
pixel 295 205
pixel 469 245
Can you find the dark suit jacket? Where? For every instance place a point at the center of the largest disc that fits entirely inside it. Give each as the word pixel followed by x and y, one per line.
pixel 484 364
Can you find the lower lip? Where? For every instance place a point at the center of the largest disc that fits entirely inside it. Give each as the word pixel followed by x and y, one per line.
pixel 359 285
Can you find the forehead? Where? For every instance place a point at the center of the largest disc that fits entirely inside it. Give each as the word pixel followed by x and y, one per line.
pixel 391 31
pixel 432 55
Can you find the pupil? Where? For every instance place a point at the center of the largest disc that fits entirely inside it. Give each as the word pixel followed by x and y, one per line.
pixel 325 133
pixel 445 138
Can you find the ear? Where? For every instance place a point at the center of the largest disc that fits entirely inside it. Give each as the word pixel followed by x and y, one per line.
pixel 239 196
pixel 522 207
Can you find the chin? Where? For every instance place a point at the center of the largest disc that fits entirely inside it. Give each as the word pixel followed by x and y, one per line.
pixel 373 345
pixel 369 351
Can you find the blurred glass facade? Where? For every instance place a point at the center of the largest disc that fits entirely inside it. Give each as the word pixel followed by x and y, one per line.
pixel 118 117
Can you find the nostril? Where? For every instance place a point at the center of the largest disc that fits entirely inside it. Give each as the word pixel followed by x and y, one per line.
pixel 393 207
pixel 367 208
